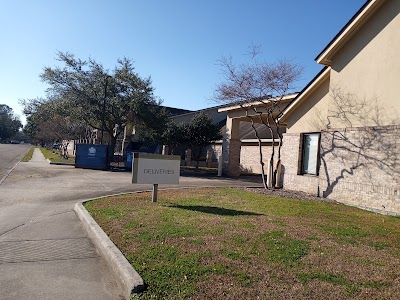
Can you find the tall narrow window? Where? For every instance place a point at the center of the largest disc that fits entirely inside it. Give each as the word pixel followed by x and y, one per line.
pixel 310 153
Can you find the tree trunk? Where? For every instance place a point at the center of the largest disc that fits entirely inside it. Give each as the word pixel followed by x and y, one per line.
pixel 259 149
pixel 261 161
pixel 113 142
pixel 270 177
pixel 269 184
pixel 277 173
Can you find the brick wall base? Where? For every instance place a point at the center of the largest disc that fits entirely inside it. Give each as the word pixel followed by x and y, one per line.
pixel 291 156
pixel 358 167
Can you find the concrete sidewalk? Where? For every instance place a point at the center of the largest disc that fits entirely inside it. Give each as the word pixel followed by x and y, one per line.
pixel 44 251
pixel 38 156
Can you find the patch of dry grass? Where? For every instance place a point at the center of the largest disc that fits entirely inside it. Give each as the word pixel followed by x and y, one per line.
pixel 227 244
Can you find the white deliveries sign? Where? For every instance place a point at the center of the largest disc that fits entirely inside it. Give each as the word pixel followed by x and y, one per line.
pixel 155 168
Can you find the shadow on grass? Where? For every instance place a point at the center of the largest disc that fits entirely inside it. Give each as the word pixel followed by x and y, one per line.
pixel 216 210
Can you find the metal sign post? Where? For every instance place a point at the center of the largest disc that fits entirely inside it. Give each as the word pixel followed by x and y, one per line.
pixel 154 195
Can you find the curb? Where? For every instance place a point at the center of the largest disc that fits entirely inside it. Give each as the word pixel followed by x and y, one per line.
pixel 127 277
pixel 60 163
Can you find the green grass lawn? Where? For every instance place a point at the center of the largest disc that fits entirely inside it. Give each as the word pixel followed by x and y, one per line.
pixel 225 243
pixel 55 156
pixel 27 157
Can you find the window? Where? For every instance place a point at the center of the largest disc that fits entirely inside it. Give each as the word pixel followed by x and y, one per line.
pixel 310 154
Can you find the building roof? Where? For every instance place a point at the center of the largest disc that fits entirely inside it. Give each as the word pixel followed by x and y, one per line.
pixel 363 14
pixel 285 98
pixel 218 107
pixel 176 111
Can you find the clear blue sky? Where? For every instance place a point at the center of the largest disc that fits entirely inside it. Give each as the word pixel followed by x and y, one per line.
pixel 176 42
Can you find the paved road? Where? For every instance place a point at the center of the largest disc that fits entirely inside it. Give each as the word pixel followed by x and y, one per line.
pixel 9 156
pixel 44 251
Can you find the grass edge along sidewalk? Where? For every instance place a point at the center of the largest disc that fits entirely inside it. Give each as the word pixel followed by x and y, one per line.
pixel 221 242
pixel 55 157
pixel 28 156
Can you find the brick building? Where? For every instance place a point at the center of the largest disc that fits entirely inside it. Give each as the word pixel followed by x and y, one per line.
pixel 342 131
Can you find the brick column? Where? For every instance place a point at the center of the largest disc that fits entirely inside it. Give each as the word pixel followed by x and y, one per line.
pixel 231 148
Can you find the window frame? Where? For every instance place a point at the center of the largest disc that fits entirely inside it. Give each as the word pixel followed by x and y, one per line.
pixel 302 159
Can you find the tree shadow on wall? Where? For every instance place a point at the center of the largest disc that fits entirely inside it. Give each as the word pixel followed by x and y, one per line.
pixel 370 152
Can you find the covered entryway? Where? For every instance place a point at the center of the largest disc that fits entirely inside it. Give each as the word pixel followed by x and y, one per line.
pixel 239 134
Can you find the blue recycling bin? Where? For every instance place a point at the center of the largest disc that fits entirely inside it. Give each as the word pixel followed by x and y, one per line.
pixel 128 161
pixel 90 156
pixel 139 147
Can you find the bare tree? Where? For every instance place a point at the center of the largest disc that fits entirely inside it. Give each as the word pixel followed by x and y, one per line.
pixel 259 88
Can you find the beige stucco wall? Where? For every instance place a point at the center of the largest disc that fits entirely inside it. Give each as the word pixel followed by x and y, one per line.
pixel 311 114
pixel 369 63
pixel 366 68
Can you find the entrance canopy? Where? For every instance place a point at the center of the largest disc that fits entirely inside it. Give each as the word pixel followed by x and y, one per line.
pixel 257 112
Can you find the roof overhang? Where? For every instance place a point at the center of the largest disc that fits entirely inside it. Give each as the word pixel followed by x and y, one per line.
pixel 365 12
pixel 283 100
pixel 311 87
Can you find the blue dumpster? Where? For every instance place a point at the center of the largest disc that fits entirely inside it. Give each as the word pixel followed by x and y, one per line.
pixel 90 156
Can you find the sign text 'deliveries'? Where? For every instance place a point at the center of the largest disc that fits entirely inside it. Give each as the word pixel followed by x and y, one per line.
pixel 155 168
